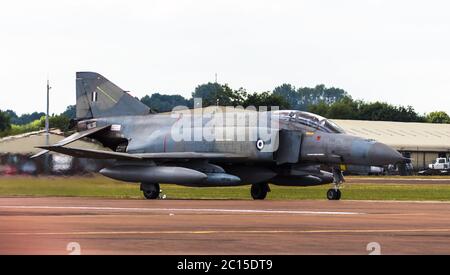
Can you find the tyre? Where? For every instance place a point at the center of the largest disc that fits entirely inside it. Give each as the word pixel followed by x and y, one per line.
pixel 259 191
pixel 334 194
pixel 151 191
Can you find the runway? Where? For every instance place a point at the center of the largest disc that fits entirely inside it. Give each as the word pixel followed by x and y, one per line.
pixel 398 180
pixel 102 226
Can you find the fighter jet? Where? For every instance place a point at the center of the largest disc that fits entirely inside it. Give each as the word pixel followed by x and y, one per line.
pixel 194 148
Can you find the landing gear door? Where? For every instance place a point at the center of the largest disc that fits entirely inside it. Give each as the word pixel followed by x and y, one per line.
pixel 288 147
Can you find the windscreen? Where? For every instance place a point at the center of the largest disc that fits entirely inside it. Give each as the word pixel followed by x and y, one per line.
pixel 311 120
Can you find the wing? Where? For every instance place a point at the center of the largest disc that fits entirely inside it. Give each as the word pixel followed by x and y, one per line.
pixel 101 154
pixel 72 138
pixel 89 153
pixel 190 155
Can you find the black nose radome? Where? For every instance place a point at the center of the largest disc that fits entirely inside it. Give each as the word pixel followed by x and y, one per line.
pixel 381 154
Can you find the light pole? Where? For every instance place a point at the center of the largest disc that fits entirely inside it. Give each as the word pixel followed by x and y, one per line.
pixel 47 123
pixel 47 129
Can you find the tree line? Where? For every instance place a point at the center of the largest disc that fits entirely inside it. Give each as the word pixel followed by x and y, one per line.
pixel 285 96
pixel 348 108
pixel 12 124
pixel 333 103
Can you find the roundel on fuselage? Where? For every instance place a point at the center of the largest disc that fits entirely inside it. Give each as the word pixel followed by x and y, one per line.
pixel 260 144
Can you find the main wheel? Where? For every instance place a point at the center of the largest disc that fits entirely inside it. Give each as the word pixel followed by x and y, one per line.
pixel 334 194
pixel 259 191
pixel 150 190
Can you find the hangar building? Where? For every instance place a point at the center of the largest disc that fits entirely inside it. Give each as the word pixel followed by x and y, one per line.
pixel 16 150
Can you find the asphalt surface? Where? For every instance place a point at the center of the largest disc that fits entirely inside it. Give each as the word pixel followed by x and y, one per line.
pixel 398 180
pixel 102 226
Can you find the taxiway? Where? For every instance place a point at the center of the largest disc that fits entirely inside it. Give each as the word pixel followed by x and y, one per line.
pixel 107 226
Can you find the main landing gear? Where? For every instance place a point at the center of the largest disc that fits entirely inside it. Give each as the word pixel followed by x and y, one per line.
pixel 338 179
pixel 150 190
pixel 334 194
pixel 259 190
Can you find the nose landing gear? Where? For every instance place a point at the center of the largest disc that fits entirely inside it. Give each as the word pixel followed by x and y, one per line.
pixel 338 179
pixel 334 194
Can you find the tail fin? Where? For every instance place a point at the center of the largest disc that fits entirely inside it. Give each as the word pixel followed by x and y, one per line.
pixel 98 97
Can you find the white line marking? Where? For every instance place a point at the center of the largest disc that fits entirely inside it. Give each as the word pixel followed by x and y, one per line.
pixel 335 231
pixel 205 210
pixel 396 179
pixel 405 201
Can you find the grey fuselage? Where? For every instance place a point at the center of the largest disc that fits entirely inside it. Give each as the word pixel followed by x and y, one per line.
pixel 297 142
pixel 214 146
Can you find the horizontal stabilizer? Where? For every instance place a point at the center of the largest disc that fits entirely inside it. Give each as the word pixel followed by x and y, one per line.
pixel 72 138
pixel 43 152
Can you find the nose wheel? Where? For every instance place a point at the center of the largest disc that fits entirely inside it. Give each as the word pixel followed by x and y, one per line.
pixel 334 194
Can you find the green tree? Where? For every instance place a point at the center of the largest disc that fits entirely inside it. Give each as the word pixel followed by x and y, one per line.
pixel 239 97
pixel 24 118
pixel 266 99
pixel 303 98
pixel 320 108
pixel 5 123
pixel 290 95
pixel 61 122
pixel 70 112
pixel 215 93
pixel 408 114
pixel 438 117
pixel 377 111
pixel 347 108
pixel 164 103
pixel 12 116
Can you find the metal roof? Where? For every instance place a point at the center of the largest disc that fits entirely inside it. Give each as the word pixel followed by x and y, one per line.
pixel 403 136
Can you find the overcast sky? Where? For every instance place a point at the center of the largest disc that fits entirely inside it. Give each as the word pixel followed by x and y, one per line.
pixel 395 51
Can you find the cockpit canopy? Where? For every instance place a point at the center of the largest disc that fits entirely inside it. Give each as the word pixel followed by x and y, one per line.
pixel 310 120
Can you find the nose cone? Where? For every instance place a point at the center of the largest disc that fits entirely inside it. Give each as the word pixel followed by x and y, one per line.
pixel 381 154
